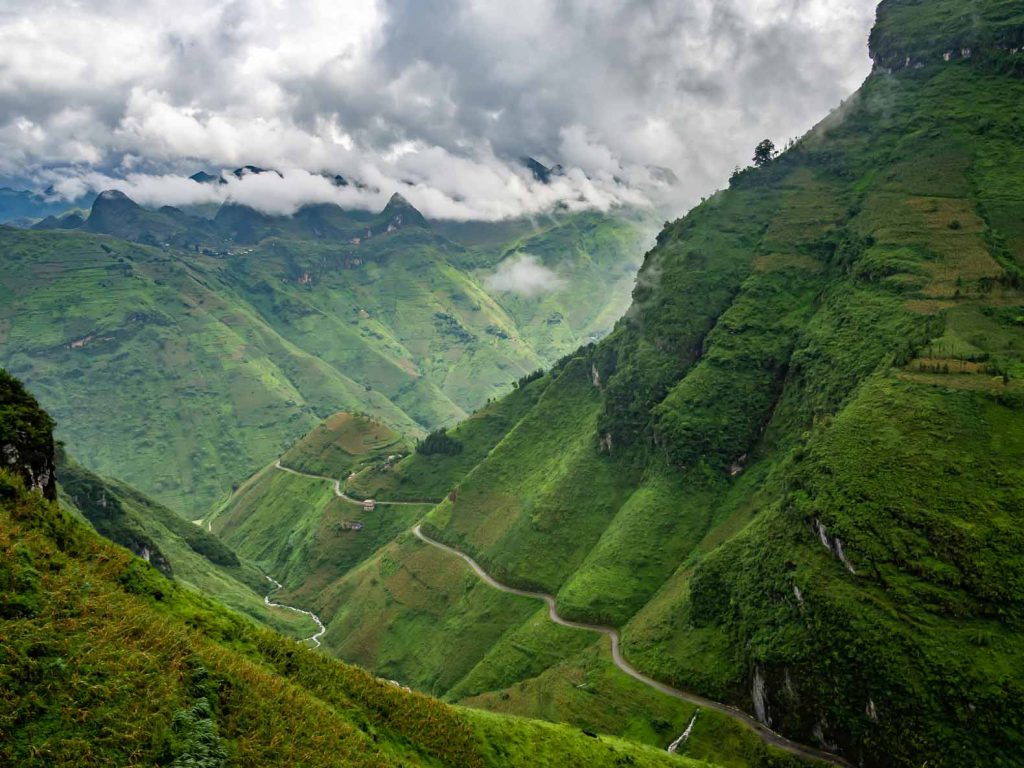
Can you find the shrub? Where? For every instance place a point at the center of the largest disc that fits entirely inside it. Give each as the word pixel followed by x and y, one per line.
pixel 439 442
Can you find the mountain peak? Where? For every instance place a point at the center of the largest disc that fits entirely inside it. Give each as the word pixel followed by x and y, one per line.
pixel 911 34
pixel 109 206
pixel 541 172
pixel 112 195
pixel 252 170
pixel 399 213
pixel 202 177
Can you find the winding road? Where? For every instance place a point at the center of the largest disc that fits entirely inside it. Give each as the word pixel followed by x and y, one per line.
pixel 321 629
pixel 341 494
pixel 764 732
pixel 767 734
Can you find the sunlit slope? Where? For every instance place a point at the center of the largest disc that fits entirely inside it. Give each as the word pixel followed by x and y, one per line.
pixel 297 527
pixel 344 443
pixel 431 476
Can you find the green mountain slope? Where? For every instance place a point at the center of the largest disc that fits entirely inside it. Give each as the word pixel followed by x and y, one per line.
pixel 107 662
pixel 157 374
pixel 179 549
pixel 791 475
pixel 216 360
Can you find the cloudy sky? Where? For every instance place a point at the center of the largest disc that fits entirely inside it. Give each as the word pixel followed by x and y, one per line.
pixel 436 98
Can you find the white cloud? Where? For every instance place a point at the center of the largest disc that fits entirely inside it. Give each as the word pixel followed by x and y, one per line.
pixel 523 275
pixel 448 95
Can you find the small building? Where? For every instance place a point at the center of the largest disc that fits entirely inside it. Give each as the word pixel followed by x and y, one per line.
pixel 369 505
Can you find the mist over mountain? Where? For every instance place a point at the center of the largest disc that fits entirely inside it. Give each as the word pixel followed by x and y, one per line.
pixel 439 101
pixel 342 334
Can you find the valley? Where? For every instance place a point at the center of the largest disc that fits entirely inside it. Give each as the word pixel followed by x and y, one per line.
pixel 782 477
pixel 287 478
pixel 240 353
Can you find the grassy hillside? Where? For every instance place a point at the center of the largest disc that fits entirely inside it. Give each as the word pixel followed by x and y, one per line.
pixel 432 475
pixel 105 661
pixel 419 616
pixel 179 549
pixel 791 473
pixel 342 443
pixel 215 359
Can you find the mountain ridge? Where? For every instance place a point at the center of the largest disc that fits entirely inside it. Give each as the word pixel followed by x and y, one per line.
pixel 789 473
pixel 266 337
pixel 108 662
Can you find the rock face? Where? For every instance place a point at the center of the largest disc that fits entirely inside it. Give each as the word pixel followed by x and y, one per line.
pixel 26 437
pixel 399 213
pixel 110 208
pixel 758 695
pixel 108 516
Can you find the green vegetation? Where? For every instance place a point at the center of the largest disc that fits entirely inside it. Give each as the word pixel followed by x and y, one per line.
pixel 791 474
pixel 181 550
pixel 439 442
pixel 26 436
pixel 105 661
pixel 187 358
pixel 926 32
pixel 421 477
pixel 344 443
pixel 114 664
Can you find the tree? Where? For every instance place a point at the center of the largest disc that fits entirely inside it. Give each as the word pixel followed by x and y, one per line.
pixel 439 442
pixel 764 153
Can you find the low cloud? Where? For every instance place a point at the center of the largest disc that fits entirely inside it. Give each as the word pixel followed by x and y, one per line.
pixel 434 100
pixel 524 276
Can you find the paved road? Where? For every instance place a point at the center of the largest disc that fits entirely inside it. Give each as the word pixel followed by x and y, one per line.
pixel 341 494
pixel 767 734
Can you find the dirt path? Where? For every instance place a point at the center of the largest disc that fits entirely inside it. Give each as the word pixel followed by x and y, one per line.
pixel 321 629
pixel 767 734
pixel 341 494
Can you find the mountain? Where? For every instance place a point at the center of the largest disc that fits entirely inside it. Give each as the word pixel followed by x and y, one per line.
pixel 252 170
pixel 790 477
pixel 107 661
pixel 16 205
pixel 541 172
pixel 70 220
pixel 202 177
pixel 400 213
pixel 223 341
pixel 114 213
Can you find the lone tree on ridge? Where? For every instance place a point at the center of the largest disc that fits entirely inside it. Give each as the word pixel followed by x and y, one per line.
pixel 764 153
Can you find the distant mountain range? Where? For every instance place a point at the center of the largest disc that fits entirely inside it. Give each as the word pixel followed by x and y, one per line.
pixel 218 339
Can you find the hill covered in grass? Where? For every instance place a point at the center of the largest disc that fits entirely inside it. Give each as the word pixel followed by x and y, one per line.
pixel 181 550
pixel 105 661
pixel 791 475
pixel 182 353
pixel 343 444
